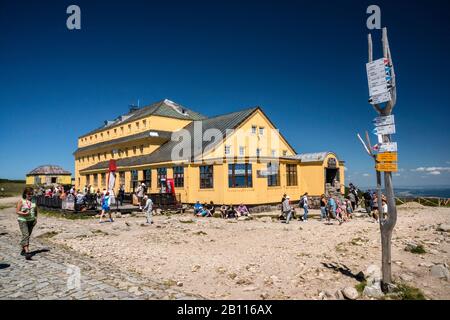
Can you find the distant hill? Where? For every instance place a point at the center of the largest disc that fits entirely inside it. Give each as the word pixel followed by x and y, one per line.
pixel 11 188
pixel 11 181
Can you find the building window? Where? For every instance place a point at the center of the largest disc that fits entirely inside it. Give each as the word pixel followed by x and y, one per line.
pixel 284 153
pixel 101 135
pixel 258 152
pixel 129 128
pixel 96 180
pixel 115 132
pixel 291 175
pixel 141 148
pixel 134 180
pixel 206 177
pixel 107 133
pixel 103 179
pixel 274 153
pixel 273 174
pixel 144 122
pixel 242 151
pixel 54 179
pixel 240 175
pixel 122 178
pixel 227 149
pixel 161 175
pixel 98 156
pixel 253 129
pixel 137 125
pixel 148 177
pixel 178 176
pixel 261 130
pixel 134 149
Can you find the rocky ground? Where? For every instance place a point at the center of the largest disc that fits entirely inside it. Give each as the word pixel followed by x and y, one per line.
pixel 257 259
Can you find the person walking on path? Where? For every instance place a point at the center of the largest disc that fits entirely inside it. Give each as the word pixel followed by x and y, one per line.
pixel 26 210
pixel 148 208
pixel 140 194
pixel 323 207
pixel 304 204
pixel 287 209
pixel 106 207
pixel 352 198
pixel 121 194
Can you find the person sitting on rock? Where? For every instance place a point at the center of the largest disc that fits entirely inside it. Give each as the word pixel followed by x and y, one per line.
pixel 231 212
pixel 211 208
pixel 197 208
pixel 242 210
pixel 223 211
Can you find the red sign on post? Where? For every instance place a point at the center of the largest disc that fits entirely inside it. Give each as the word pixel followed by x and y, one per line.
pixel 112 165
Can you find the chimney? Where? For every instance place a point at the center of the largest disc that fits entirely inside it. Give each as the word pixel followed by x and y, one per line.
pixel 133 108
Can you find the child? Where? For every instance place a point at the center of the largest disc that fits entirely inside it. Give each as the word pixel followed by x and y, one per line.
pixel 106 203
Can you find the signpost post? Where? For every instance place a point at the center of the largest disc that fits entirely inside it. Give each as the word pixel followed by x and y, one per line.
pixel 382 89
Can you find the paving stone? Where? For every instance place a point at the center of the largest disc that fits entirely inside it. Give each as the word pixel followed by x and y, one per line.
pixel 46 277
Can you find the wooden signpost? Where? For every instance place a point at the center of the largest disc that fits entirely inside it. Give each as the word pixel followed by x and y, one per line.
pixel 383 89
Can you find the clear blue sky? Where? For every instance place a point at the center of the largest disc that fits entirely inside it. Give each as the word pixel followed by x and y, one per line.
pixel 302 62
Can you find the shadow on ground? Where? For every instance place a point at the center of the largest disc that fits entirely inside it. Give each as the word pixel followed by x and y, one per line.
pixel 35 252
pixel 4 266
pixel 342 268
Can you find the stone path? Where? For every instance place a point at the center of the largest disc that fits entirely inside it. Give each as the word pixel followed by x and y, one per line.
pixel 56 273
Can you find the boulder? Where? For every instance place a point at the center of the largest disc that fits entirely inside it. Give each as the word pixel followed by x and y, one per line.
pixel 373 290
pixel 373 274
pixel 444 227
pixel 350 293
pixel 440 271
pixel 339 295
pixel 244 218
pixel 406 277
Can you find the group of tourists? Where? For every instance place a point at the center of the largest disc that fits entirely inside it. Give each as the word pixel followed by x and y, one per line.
pixel 371 204
pixel 226 211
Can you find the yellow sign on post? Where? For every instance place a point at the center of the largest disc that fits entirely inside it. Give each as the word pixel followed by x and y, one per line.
pixel 387 157
pixel 387 167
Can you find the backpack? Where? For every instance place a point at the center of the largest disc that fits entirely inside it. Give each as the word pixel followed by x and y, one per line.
pixel 302 202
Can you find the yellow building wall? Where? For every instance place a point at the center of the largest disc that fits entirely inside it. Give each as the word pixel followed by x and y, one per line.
pixel 312 176
pixel 243 137
pixel 46 179
pixel 134 127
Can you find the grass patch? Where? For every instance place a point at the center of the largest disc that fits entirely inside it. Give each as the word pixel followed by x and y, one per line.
pixel 10 188
pixel 100 232
pixel 419 249
pixel 360 286
pixel 359 241
pixel 405 292
pixel 170 282
pixel 341 247
pixel 187 221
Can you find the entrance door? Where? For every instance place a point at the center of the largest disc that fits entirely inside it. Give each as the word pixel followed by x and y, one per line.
pixel 331 175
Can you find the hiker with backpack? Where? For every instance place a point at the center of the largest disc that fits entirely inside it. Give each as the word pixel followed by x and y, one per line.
pixel 303 203
pixel 287 209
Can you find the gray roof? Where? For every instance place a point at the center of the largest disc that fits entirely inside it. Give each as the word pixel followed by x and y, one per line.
pixel 164 153
pixel 49 169
pixel 313 157
pixel 142 135
pixel 164 108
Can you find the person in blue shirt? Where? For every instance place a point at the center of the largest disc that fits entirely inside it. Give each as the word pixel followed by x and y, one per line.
pixel 197 208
